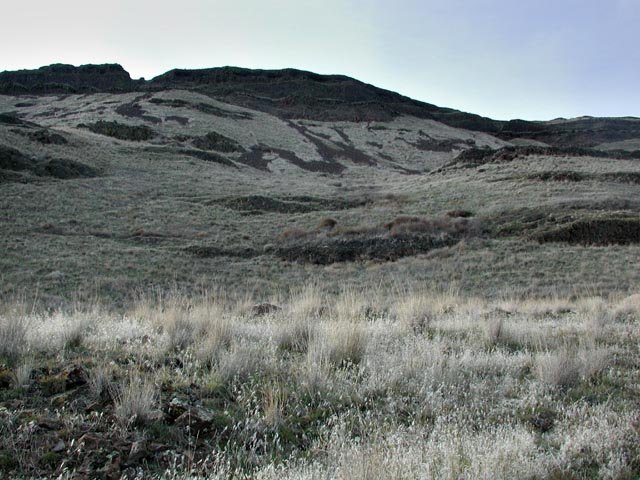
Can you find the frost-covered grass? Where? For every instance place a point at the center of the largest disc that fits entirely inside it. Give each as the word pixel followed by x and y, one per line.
pixel 359 385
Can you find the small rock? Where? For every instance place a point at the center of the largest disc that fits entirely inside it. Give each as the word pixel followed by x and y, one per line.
pixel 262 309
pixel 75 376
pixel 59 447
pixel 175 408
pixel 112 468
pixel 138 452
pixel 49 424
pixel 542 422
pixel 89 441
pixel 196 418
pixel 62 399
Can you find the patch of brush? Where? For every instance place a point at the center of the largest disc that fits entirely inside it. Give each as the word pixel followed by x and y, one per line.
pixel 217 142
pixel 43 136
pixel 134 110
pixel 598 231
pixel 202 107
pixel 259 204
pixel 558 176
pixel 331 152
pixel 208 251
pixel 328 250
pixel 178 119
pixel 573 176
pixel 121 131
pixel 475 157
pixel 402 237
pixel 256 158
pixel 14 163
pixel 12 119
pixel 206 156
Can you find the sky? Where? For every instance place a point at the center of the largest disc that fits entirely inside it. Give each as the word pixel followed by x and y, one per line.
pixel 505 59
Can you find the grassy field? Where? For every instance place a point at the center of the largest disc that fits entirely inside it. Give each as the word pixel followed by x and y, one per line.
pixel 362 384
pixel 136 225
pixel 437 316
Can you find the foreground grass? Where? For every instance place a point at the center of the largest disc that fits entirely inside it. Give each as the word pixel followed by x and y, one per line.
pixel 355 385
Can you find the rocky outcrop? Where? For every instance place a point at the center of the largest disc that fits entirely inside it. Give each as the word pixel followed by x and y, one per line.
pixel 60 78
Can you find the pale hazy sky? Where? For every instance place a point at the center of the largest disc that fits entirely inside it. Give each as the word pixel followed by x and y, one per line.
pixel 532 59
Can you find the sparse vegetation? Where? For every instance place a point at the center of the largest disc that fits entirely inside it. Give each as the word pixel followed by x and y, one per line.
pixel 135 133
pixel 359 383
pixel 218 142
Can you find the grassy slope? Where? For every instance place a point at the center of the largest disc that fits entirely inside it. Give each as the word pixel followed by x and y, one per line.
pixel 128 228
pixel 386 382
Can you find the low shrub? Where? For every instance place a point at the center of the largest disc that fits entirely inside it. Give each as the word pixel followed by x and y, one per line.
pixel 135 133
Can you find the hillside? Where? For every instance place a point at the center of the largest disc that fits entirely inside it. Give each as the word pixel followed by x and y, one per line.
pixel 107 191
pixel 281 275
pixel 298 94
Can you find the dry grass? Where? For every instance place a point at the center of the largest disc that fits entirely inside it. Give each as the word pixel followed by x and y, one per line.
pixel 13 333
pixel 558 369
pixel 355 385
pixel 415 312
pixel 135 401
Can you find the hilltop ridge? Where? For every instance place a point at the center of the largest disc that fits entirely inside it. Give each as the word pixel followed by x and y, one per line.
pixel 291 93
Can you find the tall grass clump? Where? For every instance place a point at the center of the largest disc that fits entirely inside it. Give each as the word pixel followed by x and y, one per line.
pixel 135 400
pixel 414 312
pixel 340 344
pixel 558 369
pixel 13 334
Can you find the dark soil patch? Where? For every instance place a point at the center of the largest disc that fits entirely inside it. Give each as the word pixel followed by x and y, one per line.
pixel 134 110
pixel 255 158
pixel 600 231
pixel 332 152
pixel 258 204
pixel 429 144
pixel 171 102
pixel 191 152
pixel 333 250
pixel 204 251
pixel 220 112
pixel 310 166
pixel 459 214
pixel 175 118
pixel 202 107
pixel 136 133
pixel 218 142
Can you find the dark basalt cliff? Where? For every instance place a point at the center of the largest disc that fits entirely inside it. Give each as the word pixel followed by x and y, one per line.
pixel 60 78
